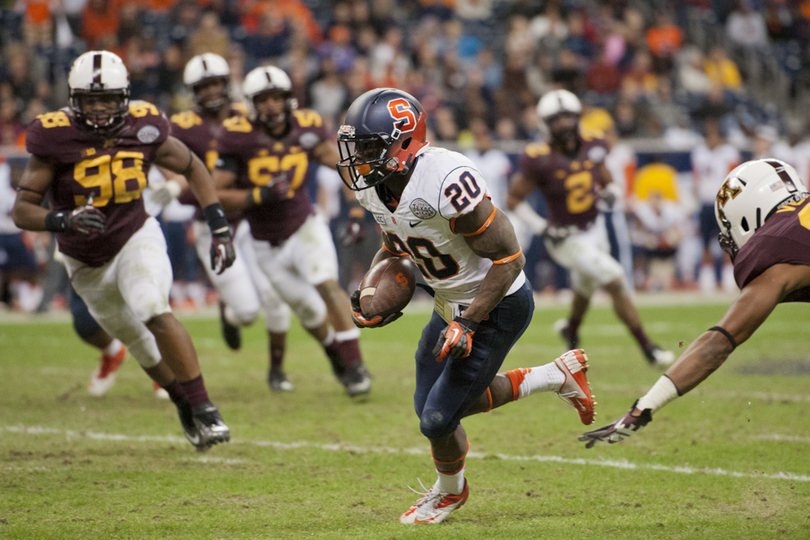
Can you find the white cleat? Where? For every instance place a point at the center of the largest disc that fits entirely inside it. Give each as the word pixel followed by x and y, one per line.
pixel 103 376
pixel 160 392
pixel 435 505
pixel 659 357
pixel 575 390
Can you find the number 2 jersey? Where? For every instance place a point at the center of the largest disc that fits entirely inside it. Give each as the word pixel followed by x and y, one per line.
pixel 444 186
pixel 260 160
pixel 111 171
pixel 783 239
pixel 568 183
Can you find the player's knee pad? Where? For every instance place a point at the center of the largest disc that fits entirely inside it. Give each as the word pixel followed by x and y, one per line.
pixel 240 316
pixel 277 318
pixel 434 424
pixel 150 303
pixel 145 350
pixel 584 284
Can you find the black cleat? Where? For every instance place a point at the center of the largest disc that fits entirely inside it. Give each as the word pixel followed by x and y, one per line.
pixel 203 425
pixel 278 381
pixel 230 333
pixel 571 339
pixel 357 380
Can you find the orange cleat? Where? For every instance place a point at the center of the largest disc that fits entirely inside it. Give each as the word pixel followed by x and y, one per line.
pixel 575 390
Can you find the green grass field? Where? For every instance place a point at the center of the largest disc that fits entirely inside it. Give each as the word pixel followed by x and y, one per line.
pixel 730 460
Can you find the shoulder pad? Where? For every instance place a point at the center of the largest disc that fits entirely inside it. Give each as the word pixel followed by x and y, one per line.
pixel 238 123
pixel 307 118
pixel 186 120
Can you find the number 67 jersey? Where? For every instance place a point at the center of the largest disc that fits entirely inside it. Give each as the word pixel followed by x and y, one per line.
pixel 444 186
pixel 110 172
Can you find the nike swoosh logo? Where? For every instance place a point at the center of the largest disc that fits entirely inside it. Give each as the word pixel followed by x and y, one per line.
pixel 195 440
pixel 414 223
pixel 455 335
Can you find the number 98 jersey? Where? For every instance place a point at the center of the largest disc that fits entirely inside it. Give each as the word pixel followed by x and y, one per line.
pixel 444 186
pixel 110 172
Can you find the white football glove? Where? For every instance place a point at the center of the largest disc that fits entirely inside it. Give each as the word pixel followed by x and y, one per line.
pixel 166 193
pixel 610 193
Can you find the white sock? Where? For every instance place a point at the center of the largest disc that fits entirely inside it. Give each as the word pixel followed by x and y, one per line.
pixel 348 335
pixel 113 348
pixel 547 378
pixel 451 483
pixel 330 338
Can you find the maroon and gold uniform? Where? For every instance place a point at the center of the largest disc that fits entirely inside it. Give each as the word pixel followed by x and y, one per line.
pixel 200 134
pixel 110 172
pixel 260 160
pixel 568 183
pixel 242 287
pixel 783 239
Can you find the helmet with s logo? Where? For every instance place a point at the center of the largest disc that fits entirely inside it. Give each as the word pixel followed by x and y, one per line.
pixel 750 194
pixel 381 136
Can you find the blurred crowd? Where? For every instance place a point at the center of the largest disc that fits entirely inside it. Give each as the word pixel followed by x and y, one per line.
pixel 718 79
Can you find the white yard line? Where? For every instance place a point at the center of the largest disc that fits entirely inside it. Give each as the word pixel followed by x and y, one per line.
pixel 615 464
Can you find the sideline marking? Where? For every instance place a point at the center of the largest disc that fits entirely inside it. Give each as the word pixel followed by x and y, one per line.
pixel 615 464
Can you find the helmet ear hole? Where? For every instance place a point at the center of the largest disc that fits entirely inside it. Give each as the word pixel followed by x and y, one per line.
pixel 744 224
pixel 406 143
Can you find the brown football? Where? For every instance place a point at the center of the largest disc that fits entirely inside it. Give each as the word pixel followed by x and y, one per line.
pixel 387 287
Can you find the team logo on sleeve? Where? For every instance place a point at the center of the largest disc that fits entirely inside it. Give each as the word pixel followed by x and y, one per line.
pixel 422 209
pixel 148 134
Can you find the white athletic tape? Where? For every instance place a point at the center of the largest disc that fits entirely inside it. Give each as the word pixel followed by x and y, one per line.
pixel 615 464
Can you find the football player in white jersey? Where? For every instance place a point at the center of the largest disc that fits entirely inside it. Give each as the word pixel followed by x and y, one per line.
pixel 433 206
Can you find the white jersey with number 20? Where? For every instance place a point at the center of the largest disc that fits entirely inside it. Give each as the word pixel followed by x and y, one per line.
pixel 444 186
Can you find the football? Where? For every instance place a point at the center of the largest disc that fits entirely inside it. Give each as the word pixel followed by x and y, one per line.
pixel 387 287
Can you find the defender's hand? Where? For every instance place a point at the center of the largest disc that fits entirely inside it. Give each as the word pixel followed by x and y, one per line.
pixel 223 253
pixel 611 193
pixel 166 193
pixel 360 321
pixel 82 220
pixel 456 339
pixel 355 231
pixel 618 430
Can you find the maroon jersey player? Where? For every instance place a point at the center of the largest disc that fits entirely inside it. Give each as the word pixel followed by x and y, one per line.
pixel 243 289
pixel 263 167
pixel 91 159
pixel 763 211
pixel 571 174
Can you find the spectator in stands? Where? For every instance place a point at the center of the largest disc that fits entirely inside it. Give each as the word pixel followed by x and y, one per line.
pixel 210 37
pixel 11 128
pixel 692 75
pixel 664 41
pixel 640 80
pixel 658 234
pixel 711 162
pixel 99 19
pixel 722 71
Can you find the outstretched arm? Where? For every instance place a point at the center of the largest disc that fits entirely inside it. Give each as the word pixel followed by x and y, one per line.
pixel 709 351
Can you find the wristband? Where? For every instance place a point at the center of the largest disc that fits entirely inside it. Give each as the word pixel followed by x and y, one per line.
pixel 55 222
pixel 472 325
pixel 726 333
pixel 215 216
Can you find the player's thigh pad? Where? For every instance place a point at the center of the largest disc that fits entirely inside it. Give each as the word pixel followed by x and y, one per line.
pixel 311 251
pixel 98 287
pixel 585 255
pixel 446 390
pixel 277 313
pixel 298 294
pixel 234 285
